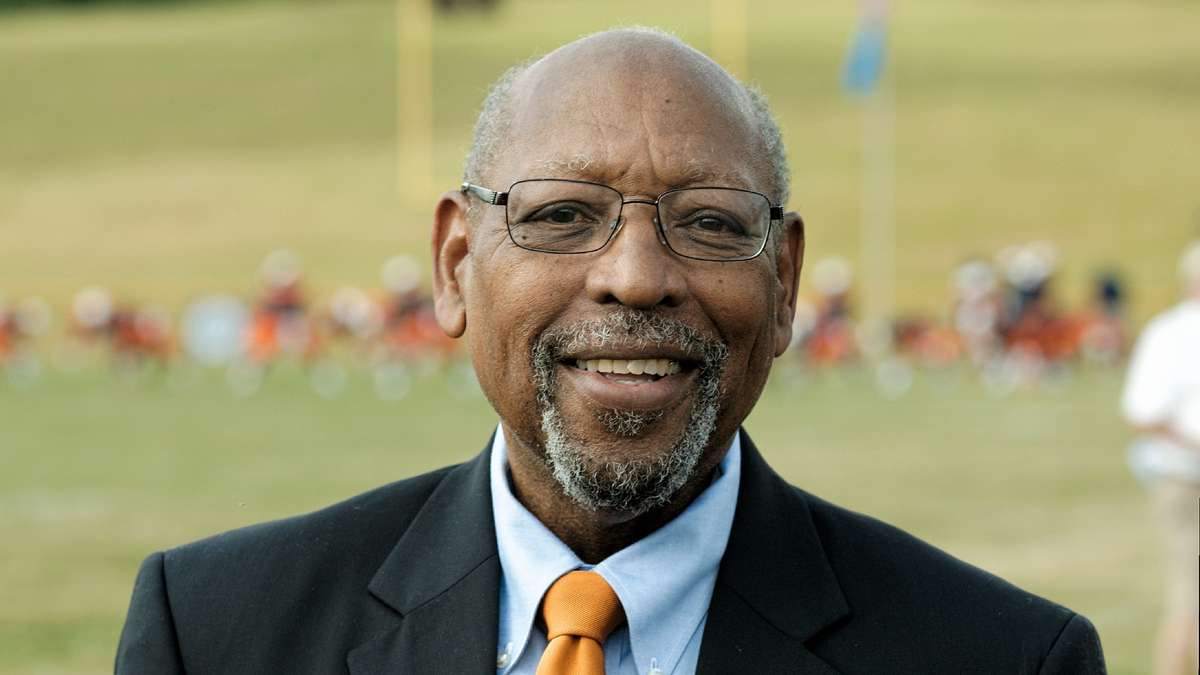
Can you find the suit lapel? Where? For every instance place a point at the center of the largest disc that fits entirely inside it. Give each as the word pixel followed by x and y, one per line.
pixel 442 580
pixel 774 591
pixel 775 588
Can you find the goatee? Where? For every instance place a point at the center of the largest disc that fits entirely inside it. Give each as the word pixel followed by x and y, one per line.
pixel 631 487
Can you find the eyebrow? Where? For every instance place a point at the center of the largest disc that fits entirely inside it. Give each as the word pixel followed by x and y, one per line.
pixel 699 173
pixel 696 173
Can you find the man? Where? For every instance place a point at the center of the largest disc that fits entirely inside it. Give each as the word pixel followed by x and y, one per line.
pixel 622 272
pixel 1162 401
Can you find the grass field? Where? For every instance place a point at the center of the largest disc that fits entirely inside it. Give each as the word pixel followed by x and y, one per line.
pixel 96 472
pixel 163 151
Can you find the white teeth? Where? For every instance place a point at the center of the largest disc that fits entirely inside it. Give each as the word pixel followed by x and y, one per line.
pixel 630 366
pixel 656 367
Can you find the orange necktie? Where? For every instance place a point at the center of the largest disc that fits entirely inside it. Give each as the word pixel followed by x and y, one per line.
pixel 580 610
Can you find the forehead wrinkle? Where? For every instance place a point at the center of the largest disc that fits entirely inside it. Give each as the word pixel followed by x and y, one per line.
pixel 627 155
pixel 699 172
pixel 695 172
pixel 701 164
pixel 681 165
pixel 637 149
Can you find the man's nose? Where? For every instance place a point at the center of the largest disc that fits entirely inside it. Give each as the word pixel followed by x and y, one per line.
pixel 637 269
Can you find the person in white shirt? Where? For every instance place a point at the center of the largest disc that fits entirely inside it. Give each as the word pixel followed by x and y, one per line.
pixel 1162 402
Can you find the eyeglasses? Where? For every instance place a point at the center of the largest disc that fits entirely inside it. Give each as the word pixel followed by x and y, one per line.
pixel 553 215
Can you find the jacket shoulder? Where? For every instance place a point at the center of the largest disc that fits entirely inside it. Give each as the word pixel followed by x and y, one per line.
pixel 929 605
pixel 250 595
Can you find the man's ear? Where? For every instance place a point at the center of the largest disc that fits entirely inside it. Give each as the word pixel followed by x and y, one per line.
pixel 451 245
pixel 787 275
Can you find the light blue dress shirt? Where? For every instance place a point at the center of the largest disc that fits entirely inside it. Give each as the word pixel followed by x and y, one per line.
pixel 665 581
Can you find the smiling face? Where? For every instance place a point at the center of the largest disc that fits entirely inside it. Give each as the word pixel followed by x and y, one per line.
pixel 627 370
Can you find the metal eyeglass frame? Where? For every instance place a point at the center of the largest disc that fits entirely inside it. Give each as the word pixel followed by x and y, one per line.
pixel 496 198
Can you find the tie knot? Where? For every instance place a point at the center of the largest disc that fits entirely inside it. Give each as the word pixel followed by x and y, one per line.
pixel 583 604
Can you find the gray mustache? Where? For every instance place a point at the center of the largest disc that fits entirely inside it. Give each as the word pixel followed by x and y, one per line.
pixel 631 329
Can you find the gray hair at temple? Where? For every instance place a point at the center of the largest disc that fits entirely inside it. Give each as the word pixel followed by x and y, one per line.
pixel 495 118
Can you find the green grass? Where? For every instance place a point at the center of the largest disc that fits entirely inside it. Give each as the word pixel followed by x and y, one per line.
pixel 163 151
pixel 97 471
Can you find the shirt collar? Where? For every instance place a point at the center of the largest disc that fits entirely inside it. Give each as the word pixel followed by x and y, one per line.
pixel 663 609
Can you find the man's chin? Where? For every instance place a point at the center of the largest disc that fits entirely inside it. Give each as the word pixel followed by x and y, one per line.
pixel 616 436
pixel 629 423
pixel 607 472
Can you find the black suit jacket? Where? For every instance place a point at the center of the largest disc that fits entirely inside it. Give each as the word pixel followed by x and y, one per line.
pixel 405 579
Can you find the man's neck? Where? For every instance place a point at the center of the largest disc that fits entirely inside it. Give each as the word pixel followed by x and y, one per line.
pixel 592 535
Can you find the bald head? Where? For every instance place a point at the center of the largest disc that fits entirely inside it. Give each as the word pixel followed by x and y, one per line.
pixel 646 69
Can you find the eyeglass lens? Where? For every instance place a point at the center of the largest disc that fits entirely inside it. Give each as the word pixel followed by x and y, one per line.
pixel 560 216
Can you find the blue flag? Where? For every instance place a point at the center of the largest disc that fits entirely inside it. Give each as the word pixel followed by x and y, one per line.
pixel 864 62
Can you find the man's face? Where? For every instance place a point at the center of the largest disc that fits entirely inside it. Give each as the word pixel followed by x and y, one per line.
pixel 543 327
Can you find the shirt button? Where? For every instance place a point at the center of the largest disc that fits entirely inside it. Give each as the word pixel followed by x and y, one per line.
pixel 505 657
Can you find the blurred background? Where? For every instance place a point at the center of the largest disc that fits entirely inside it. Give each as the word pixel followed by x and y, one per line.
pixel 213 271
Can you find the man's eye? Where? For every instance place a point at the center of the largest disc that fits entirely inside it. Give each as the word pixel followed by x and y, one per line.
pixel 563 214
pixel 711 224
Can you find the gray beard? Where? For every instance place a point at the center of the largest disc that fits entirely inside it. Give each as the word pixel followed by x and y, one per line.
pixel 637 486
